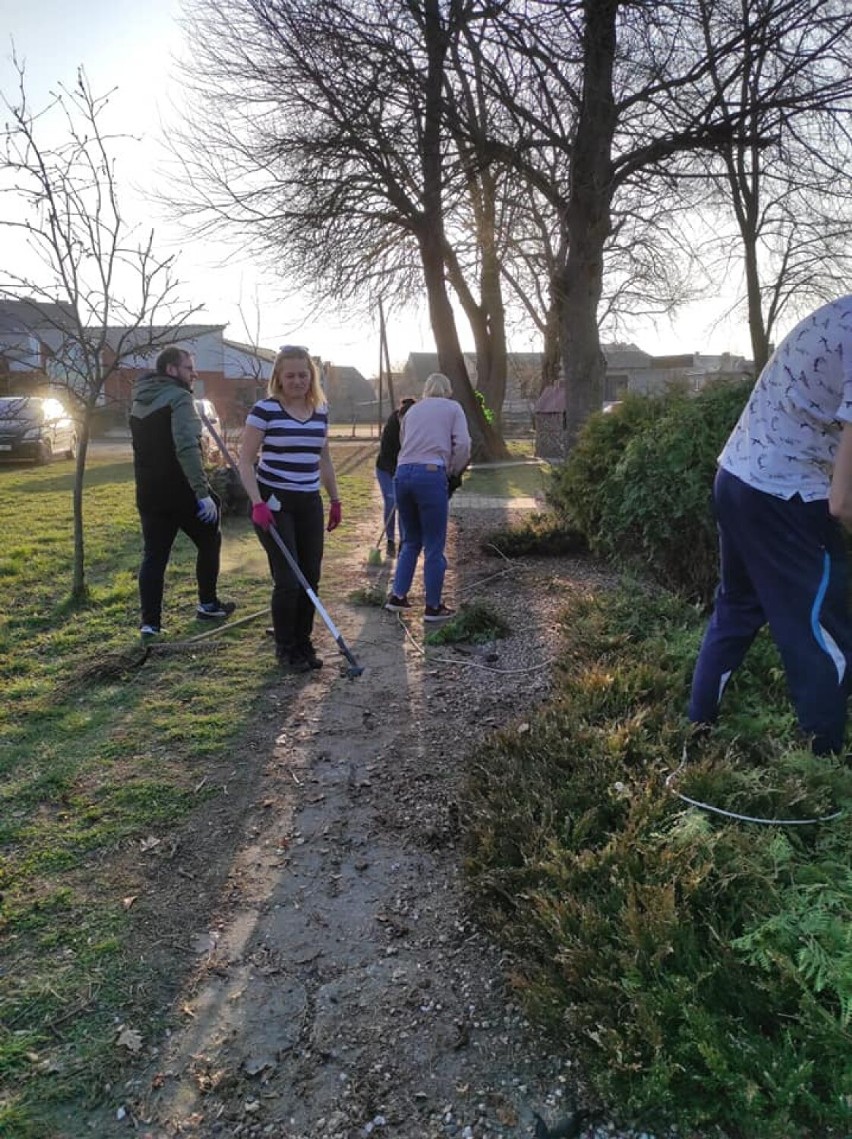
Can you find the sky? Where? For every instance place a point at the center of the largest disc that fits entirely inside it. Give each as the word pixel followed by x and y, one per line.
pixel 137 49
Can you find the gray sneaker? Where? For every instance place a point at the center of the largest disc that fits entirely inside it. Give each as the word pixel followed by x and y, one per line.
pixel 397 604
pixel 438 613
pixel 215 610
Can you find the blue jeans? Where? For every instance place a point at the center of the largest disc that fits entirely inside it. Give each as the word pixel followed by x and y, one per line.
pixel 783 562
pixel 385 482
pixel 423 506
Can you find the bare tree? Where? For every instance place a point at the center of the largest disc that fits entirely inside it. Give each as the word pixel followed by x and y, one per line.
pixel 786 182
pixel 324 141
pixel 103 297
pixel 652 85
pixel 525 136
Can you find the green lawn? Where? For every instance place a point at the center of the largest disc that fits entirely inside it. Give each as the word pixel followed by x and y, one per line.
pixel 97 755
pixel 697 970
pixel 522 481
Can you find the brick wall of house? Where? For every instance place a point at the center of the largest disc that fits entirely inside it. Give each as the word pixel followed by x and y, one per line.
pixel 233 398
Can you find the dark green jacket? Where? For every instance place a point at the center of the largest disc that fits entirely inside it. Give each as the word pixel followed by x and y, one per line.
pixel 167 456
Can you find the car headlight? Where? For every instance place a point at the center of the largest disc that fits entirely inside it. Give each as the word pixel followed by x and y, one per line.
pixel 32 433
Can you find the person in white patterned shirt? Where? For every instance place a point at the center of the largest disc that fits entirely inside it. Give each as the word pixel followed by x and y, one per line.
pixel 782 495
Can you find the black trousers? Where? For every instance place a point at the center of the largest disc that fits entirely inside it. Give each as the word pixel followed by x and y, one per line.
pixel 300 523
pixel 159 531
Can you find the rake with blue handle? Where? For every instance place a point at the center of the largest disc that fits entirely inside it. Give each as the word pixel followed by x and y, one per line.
pixel 354 668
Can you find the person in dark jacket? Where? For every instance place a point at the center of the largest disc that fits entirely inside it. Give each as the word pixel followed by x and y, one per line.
pixel 386 469
pixel 172 491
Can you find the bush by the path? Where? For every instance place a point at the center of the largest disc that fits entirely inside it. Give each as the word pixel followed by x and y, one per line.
pixel 698 970
pixel 638 484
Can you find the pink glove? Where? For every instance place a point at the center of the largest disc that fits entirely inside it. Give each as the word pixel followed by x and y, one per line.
pixel 262 516
pixel 335 515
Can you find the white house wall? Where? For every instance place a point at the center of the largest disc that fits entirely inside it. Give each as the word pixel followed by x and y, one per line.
pixel 206 347
pixel 237 365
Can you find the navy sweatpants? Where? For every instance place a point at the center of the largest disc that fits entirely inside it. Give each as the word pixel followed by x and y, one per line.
pixel 783 561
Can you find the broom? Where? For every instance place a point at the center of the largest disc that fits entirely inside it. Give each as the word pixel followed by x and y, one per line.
pixel 374 558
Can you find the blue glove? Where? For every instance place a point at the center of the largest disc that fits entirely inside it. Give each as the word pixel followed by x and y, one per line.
pixel 207 510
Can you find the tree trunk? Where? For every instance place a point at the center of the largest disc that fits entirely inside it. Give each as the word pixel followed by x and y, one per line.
pixel 487 444
pixel 756 323
pixel 589 220
pixel 488 319
pixel 79 588
pixel 491 366
pixel 551 364
pixel 487 323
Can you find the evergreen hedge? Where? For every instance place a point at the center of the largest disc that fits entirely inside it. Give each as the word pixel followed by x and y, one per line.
pixel 638 484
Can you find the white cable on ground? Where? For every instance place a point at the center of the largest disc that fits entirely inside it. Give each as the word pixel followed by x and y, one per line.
pixel 733 814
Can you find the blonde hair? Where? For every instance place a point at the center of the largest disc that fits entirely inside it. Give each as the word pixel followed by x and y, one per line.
pixel 315 396
pixel 437 385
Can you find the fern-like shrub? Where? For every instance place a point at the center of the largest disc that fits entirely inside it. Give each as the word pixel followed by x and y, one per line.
pixel 574 489
pixel 697 971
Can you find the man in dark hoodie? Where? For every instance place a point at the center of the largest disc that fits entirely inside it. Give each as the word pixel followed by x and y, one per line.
pixel 172 491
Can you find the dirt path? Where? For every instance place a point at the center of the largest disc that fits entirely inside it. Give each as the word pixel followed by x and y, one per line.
pixel 340 987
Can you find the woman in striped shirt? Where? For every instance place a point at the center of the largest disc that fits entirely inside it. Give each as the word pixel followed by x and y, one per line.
pixel 284 458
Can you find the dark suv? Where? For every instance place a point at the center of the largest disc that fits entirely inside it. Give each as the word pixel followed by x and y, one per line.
pixel 35 429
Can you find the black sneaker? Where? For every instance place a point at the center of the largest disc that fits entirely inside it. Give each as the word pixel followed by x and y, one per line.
pixel 438 613
pixel 397 604
pixel 149 630
pixel 390 548
pixel 293 662
pixel 309 653
pixel 214 610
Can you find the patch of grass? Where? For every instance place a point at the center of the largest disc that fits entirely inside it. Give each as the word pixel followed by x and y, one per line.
pixel 697 969
pixel 526 481
pixel 370 595
pixel 475 623
pixel 101 755
pixel 539 534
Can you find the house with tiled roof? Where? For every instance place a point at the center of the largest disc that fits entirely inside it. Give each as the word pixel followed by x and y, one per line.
pixel 523 380
pixel 629 369
pixel 232 374
pixel 351 397
pixel 30 334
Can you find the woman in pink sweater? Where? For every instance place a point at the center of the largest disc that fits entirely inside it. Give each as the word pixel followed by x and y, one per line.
pixel 435 447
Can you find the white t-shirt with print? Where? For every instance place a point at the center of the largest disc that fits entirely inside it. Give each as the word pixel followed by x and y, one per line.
pixel 786 438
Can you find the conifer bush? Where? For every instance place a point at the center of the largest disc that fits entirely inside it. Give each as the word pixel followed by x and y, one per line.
pixel 639 484
pixel 697 970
